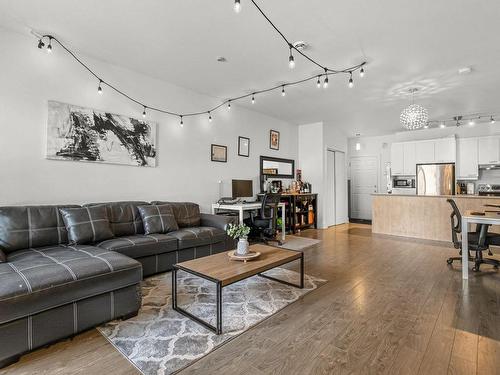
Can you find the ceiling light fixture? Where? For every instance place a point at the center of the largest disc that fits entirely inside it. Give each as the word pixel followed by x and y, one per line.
pixel 443 125
pixel 283 93
pixel 99 89
pixel 209 117
pixel 351 82
pixel 414 116
pixel 471 122
pixel 291 60
pixel 182 122
pixel 237 6
pixel 318 84
pixel 229 104
pixel 253 98
pixel 362 72
pixel 492 120
pixel 144 112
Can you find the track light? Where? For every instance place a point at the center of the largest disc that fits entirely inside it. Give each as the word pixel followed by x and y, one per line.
pixel 182 122
pixel 41 44
pixel 492 120
pixel 443 125
pixel 99 89
pixel 318 83
pixel 49 47
pixel 237 6
pixel 351 82
pixel 362 72
pixel 209 117
pixel 253 98
pixel 426 126
pixel 291 61
pixel 471 122
pixel 144 112
pixel 283 93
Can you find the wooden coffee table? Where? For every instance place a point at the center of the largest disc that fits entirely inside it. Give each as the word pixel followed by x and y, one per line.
pixel 223 271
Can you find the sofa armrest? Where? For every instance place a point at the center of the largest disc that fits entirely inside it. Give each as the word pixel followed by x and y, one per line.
pixel 217 221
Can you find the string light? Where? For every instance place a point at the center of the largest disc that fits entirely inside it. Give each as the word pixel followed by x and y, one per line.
pixel 318 83
pixel 182 122
pixel 144 112
pixel 229 104
pixel 325 83
pixel 351 82
pixel 283 93
pixel 209 117
pixel 253 98
pixel 99 89
pixel 41 44
pixel 362 72
pixel 49 47
pixel 237 6
pixel 291 61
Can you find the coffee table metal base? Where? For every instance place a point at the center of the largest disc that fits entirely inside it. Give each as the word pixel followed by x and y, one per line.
pixel 218 327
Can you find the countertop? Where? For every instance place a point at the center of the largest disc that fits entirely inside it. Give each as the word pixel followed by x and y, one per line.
pixel 437 196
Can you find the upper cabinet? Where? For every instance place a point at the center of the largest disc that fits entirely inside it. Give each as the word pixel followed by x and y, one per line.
pixel 489 150
pixel 397 159
pixel 425 151
pixel 409 162
pixel 445 150
pixel 467 161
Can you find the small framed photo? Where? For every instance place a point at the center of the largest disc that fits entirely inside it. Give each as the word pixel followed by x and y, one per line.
pixel 244 146
pixel 219 153
pixel 274 140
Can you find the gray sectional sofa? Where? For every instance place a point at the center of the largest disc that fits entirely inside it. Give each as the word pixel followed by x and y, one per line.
pixel 50 290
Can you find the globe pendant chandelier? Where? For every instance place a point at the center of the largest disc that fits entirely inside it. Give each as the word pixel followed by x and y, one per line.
pixel 414 116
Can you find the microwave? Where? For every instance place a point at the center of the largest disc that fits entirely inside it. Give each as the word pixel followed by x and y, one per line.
pixel 399 182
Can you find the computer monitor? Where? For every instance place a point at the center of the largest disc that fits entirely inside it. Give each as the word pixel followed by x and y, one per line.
pixel 242 189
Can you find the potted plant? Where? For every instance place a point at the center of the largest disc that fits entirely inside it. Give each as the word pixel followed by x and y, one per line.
pixel 239 232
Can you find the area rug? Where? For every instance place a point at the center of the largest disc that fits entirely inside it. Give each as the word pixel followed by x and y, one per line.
pixel 161 341
pixel 298 243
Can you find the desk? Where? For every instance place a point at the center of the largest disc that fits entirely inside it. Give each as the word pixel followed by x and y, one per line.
pixel 240 207
pixel 488 218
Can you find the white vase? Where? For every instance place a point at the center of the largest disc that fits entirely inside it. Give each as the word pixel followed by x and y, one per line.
pixel 242 248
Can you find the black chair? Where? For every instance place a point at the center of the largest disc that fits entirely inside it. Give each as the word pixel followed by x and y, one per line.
pixel 263 225
pixel 479 241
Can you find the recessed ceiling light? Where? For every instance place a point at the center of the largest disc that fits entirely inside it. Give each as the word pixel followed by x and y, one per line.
pixel 301 45
pixel 221 59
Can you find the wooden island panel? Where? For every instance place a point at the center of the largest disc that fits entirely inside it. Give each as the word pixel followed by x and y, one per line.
pixel 424 217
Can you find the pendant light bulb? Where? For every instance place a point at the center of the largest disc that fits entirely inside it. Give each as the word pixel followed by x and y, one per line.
pixel 99 89
pixel 49 47
pixel 182 122
pixel 229 104
pixel 325 83
pixel 492 120
pixel 237 6
pixel 291 60
pixel 41 44
pixel 351 82
pixel 283 93
pixel 253 98
pixel 362 72
pixel 443 125
pixel 471 122
pixel 144 112
pixel 209 117
pixel 318 83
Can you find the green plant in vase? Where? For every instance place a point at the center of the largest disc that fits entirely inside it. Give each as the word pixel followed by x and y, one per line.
pixel 239 232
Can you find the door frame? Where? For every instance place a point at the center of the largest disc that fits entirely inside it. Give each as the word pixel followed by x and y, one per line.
pixel 334 198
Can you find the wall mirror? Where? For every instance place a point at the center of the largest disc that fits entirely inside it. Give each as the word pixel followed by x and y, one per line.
pixel 277 167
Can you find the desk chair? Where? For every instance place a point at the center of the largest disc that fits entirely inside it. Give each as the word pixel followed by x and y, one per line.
pixel 479 241
pixel 263 224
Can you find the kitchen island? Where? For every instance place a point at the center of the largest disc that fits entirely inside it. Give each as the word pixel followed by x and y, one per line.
pixel 424 217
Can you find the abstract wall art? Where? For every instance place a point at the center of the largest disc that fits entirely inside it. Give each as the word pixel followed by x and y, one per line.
pixel 83 134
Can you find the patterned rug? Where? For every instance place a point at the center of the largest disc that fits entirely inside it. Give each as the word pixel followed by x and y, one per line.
pixel 161 341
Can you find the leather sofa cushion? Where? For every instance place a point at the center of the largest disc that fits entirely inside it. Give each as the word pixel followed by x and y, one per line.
pixel 22 227
pixel 141 245
pixel 198 236
pixel 86 224
pixel 124 218
pixel 34 280
pixel 186 214
pixel 158 218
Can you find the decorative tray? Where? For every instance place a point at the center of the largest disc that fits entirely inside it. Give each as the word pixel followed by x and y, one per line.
pixel 250 256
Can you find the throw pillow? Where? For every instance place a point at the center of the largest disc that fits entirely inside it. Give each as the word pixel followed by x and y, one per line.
pixel 3 258
pixel 86 224
pixel 158 219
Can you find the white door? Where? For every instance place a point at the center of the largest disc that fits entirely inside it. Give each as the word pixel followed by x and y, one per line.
pixel 341 214
pixel 364 182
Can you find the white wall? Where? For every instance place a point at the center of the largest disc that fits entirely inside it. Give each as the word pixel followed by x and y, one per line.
pixel 381 146
pixel 31 77
pixel 314 141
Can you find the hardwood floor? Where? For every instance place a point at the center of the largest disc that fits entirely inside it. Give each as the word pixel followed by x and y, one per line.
pixel 391 306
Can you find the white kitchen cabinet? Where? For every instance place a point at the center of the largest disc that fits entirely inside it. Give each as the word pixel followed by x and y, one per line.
pixel 445 150
pixel 468 159
pixel 409 161
pixel 397 159
pixel 489 150
pixel 424 152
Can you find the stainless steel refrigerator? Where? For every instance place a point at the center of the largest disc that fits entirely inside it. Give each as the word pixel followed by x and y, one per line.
pixel 436 179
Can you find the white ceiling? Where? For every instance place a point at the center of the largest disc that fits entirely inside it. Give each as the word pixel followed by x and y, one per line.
pixel 407 43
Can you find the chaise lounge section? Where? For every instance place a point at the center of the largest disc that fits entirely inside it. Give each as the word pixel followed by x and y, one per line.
pixel 51 290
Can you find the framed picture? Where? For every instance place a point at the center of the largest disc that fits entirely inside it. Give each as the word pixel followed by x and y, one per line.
pixel 274 140
pixel 219 153
pixel 244 146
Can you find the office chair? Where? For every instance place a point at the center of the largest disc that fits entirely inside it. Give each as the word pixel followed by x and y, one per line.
pixel 263 225
pixel 479 241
